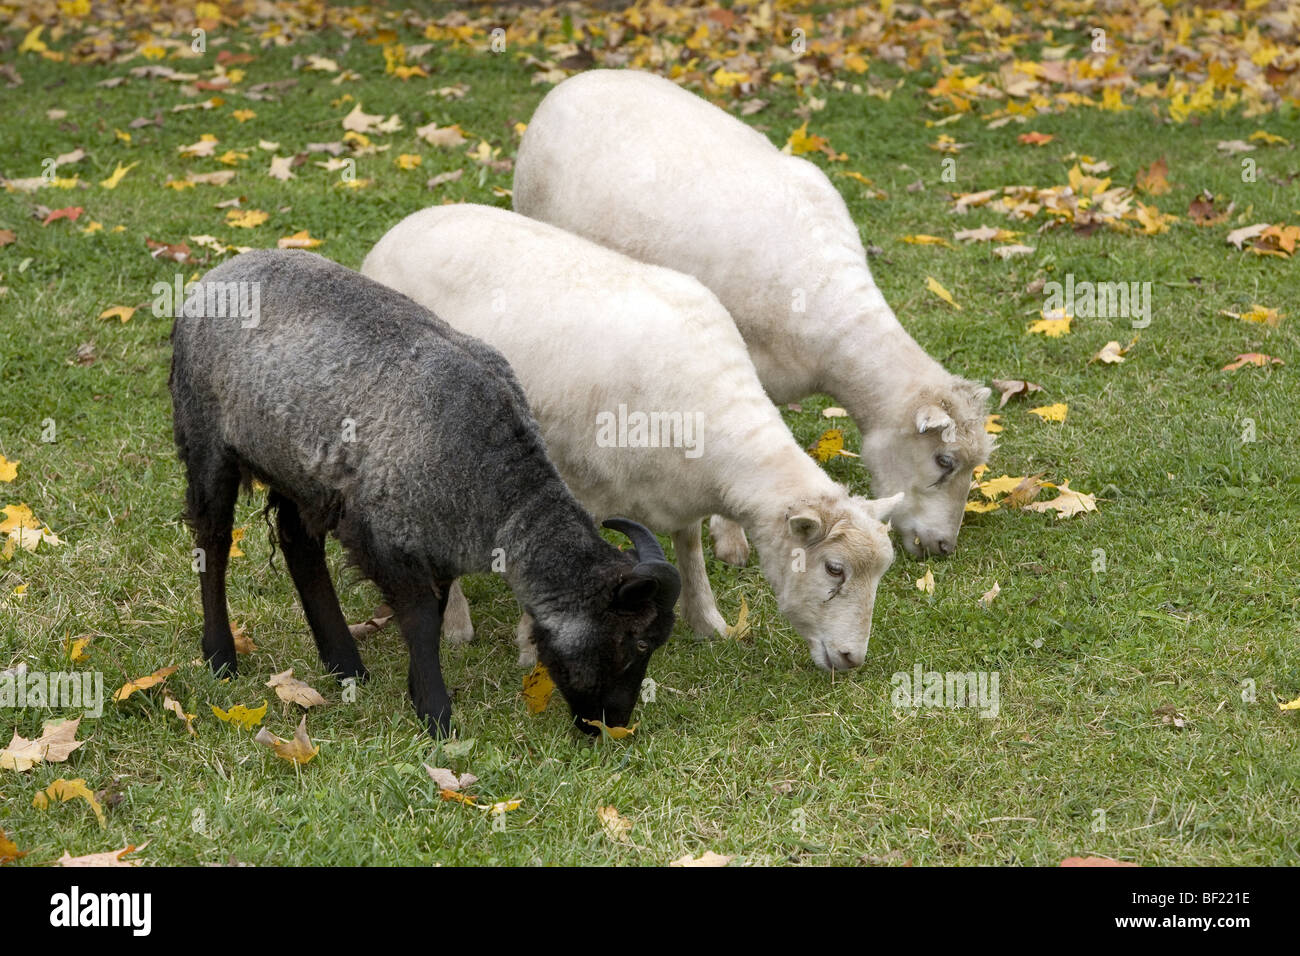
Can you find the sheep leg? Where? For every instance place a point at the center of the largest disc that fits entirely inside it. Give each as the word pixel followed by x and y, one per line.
pixel 421 622
pixel 698 608
pixel 524 638
pixel 729 543
pixel 304 553
pixel 457 628
pixel 210 494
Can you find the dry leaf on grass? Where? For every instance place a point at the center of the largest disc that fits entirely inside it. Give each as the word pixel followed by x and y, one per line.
pixel 290 689
pixel 617 733
pixel 65 790
pixel 707 858
pixel 1011 388
pixel 111 858
pixel 55 745
pixel 616 825
pixel 143 683
pixel 447 780
pixel 9 850
pixel 300 750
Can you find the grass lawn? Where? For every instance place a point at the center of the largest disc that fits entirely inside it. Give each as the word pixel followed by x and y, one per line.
pixel 747 750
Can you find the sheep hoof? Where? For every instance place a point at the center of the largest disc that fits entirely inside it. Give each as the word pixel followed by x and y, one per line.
pixel 706 625
pixel 729 542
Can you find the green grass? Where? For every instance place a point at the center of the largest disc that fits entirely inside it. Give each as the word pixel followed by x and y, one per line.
pixel 748 749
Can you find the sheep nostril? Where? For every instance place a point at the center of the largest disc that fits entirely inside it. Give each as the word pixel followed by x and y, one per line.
pixel 849 659
pixel 945 546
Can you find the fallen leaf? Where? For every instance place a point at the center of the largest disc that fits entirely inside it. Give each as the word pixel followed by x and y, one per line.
pixel 70 213
pixel 299 240
pixel 1093 861
pixel 383 614
pixel 617 733
pixel 1053 326
pixel 834 411
pixel 829 445
pixel 1006 252
pixel 707 858
pixel 9 850
pixel 299 750
pixel 65 790
pixel 55 745
pixel 1258 313
pixel 447 780
pixel 1035 139
pixel 246 218
pixel 992 424
pixel 1257 359
pixel 1112 353
pixel 932 284
pixel 143 683
pixel 1153 179
pixel 243 643
pixel 281 168
pixel 246 717
pixel 1011 388
pixel 538 688
pixel 740 630
pixel 172 704
pixel 112 858
pixel 1238 236
pixel 8 469
pixel 989 596
pixel 112 181
pixel 926 582
pixel 615 824
pixel 1291 705
pixel 1066 504
pixel 294 691
pixel 121 312
pixel 923 240
pixel 1051 413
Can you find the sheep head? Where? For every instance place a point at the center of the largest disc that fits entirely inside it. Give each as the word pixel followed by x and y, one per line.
pixel 825 566
pixel 597 648
pixel 928 450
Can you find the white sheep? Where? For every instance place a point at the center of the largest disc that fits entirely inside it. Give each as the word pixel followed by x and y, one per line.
pixel 635 163
pixel 602 344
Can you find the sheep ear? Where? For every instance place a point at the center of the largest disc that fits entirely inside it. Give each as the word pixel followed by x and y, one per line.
pixel 805 524
pixel 882 508
pixel 636 592
pixel 932 418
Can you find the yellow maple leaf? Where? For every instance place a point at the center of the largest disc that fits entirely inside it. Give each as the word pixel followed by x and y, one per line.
pixel 740 630
pixel 1066 504
pixel 112 181
pixel 243 116
pixel 923 240
pixel 236 536
pixel 992 424
pixel 9 850
pixel 932 284
pixel 538 688
pixel 143 683
pixel 245 218
pixel 8 469
pixel 1292 705
pixel 246 717
pixel 800 142
pixel 123 312
pixel 75 648
pixel 408 161
pixel 926 582
pixel 981 507
pixel 299 240
pixel 65 790
pixel 829 445
pixel 1052 326
pixel 1051 413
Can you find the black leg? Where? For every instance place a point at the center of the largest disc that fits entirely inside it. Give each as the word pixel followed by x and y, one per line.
pixel 210 497
pixel 421 623
pixel 305 556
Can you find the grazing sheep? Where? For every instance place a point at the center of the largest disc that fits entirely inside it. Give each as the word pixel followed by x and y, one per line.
pixel 369 416
pixel 631 161
pixel 650 407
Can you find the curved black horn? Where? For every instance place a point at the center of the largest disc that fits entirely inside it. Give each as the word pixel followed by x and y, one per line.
pixel 644 543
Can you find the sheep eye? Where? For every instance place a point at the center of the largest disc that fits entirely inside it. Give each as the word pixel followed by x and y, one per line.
pixel 945 462
pixel 642 646
pixel 835 569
